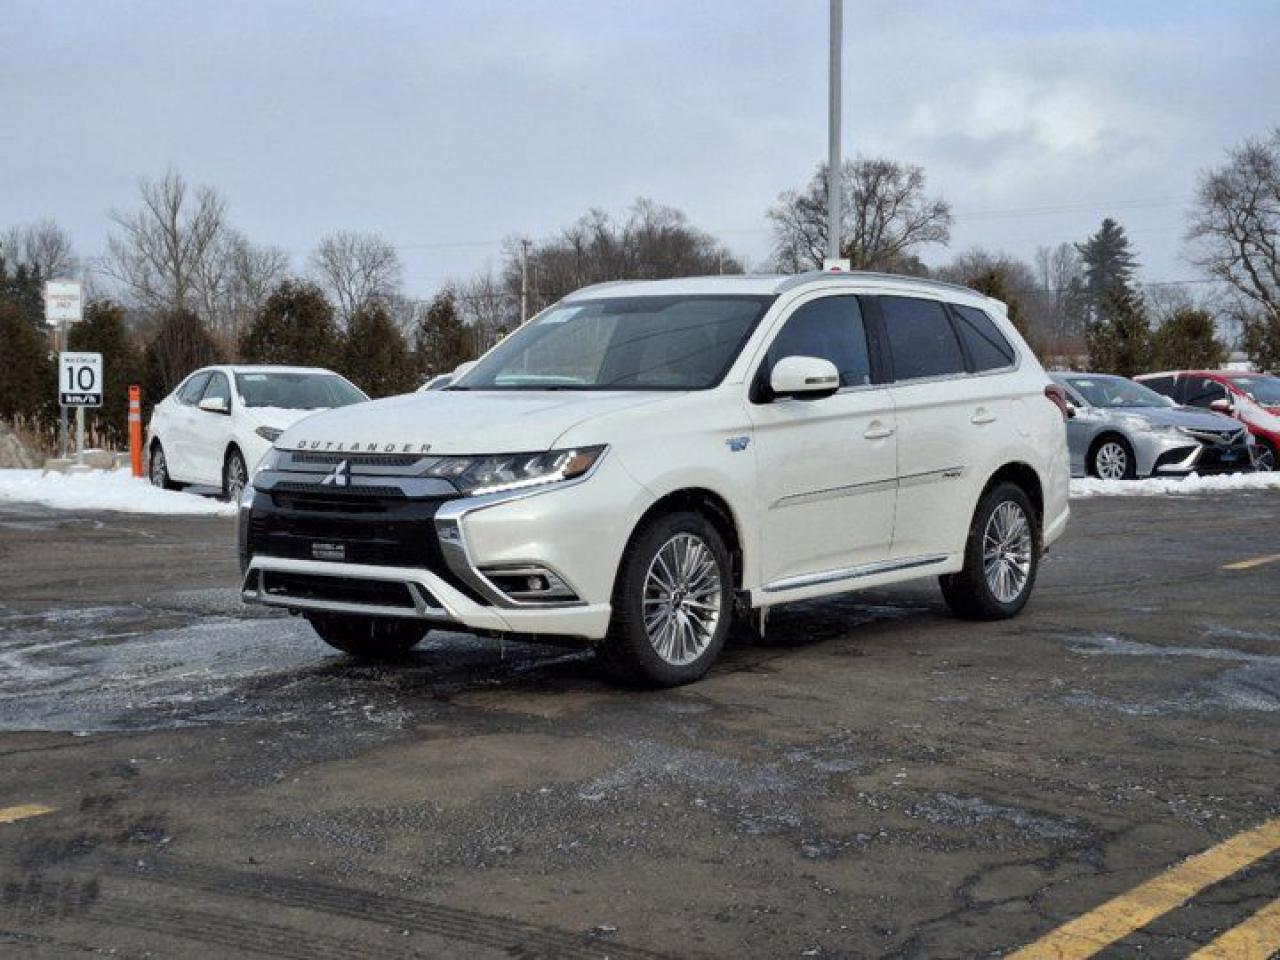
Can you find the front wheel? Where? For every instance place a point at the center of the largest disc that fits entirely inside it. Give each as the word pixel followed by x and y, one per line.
pixel 368 638
pixel 672 604
pixel 1001 558
pixel 235 477
pixel 1113 459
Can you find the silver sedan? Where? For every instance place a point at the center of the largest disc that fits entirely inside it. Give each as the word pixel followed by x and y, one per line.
pixel 1120 430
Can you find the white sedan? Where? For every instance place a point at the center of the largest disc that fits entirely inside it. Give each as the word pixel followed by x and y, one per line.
pixel 216 426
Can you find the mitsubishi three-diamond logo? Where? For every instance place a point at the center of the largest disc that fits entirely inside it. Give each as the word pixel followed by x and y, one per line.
pixel 341 476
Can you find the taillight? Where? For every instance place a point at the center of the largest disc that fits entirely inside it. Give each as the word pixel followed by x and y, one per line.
pixel 1059 398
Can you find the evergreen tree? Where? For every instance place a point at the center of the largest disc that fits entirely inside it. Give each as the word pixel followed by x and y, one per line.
pixel 1119 335
pixel 295 326
pixel 440 340
pixel 375 355
pixel 182 343
pixel 1187 340
pixel 28 371
pixel 103 331
pixel 1260 338
pixel 22 286
pixel 1108 262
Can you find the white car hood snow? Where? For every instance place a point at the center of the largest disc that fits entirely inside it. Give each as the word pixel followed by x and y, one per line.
pixel 279 417
pixel 459 421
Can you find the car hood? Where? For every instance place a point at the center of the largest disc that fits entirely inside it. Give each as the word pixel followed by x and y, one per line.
pixel 1189 417
pixel 279 417
pixel 459 421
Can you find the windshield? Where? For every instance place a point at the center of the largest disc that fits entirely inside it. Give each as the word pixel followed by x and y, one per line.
pixel 296 391
pixel 631 343
pixel 1263 389
pixel 1113 392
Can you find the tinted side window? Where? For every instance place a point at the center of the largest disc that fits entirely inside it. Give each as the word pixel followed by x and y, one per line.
pixel 194 387
pixel 920 338
pixel 987 346
pixel 1162 385
pixel 218 387
pixel 830 328
pixel 1201 391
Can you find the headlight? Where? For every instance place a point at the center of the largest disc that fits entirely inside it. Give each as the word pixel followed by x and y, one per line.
pixel 270 460
pixel 476 476
pixel 269 434
pixel 1146 426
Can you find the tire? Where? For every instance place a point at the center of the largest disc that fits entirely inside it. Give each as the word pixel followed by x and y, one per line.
pixel 1264 457
pixel 974 594
pixel 688 613
pixel 1112 459
pixel 368 638
pixel 235 476
pixel 159 470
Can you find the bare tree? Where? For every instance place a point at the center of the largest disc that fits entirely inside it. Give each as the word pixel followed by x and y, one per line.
pixel 43 246
pixel 1235 226
pixel 162 248
pixel 488 308
pixel 886 218
pixel 652 242
pixel 235 279
pixel 357 269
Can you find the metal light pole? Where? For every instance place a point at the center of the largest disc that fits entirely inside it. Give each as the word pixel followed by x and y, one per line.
pixel 833 132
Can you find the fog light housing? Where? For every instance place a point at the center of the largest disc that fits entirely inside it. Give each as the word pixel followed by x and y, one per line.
pixel 529 583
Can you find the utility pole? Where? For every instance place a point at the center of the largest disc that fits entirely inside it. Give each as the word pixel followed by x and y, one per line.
pixel 833 132
pixel 524 280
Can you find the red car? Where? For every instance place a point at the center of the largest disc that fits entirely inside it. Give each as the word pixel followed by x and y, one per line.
pixel 1252 398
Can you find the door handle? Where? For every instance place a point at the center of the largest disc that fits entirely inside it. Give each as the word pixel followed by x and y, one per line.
pixel 982 415
pixel 878 431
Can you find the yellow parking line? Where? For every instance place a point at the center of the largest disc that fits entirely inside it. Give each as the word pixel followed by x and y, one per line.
pixel 1256 939
pixel 1254 562
pixel 1121 916
pixel 10 814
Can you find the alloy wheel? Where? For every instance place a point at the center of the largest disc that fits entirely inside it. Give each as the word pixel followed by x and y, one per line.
pixel 1112 461
pixel 1006 551
pixel 682 599
pixel 235 479
pixel 1264 458
pixel 158 469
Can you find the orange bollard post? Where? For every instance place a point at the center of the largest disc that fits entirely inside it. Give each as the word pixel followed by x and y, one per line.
pixel 135 429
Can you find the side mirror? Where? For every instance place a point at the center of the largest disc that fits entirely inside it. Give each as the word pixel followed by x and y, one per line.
pixel 1071 410
pixel 461 370
pixel 1221 405
pixel 215 405
pixel 809 377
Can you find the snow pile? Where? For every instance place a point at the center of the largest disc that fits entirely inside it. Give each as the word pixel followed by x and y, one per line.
pixel 1165 486
pixel 103 490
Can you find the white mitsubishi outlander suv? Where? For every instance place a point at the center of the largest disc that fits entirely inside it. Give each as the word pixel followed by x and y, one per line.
pixel 645 461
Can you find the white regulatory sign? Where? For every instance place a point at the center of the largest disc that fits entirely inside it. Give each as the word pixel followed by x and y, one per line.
pixel 62 301
pixel 80 379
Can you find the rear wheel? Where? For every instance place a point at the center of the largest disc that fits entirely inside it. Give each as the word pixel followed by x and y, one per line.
pixel 1113 459
pixel 1001 558
pixel 159 470
pixel 673 603
pixel 1264 455
pixel 368 638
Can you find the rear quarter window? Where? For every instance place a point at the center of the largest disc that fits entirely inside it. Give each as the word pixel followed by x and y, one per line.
pixel 987 346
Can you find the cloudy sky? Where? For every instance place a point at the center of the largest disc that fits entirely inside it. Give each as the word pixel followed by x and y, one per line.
pixel 448 126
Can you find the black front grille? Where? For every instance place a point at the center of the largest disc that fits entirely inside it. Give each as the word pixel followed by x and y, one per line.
pixel 358 459
pixel 354 527
pixel 304 586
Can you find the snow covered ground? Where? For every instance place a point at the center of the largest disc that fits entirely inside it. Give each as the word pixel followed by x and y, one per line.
pixel 1166 486
pixel 104 490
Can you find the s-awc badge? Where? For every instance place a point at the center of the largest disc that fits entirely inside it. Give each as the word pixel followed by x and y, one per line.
pixel 329 551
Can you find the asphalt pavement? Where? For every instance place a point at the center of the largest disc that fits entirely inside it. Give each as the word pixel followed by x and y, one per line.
pixel 182 776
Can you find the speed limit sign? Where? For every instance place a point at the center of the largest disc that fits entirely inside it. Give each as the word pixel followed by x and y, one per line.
pixel 80 379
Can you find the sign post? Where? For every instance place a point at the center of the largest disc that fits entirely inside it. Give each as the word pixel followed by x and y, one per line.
pixel 79 386
pixel 62 305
